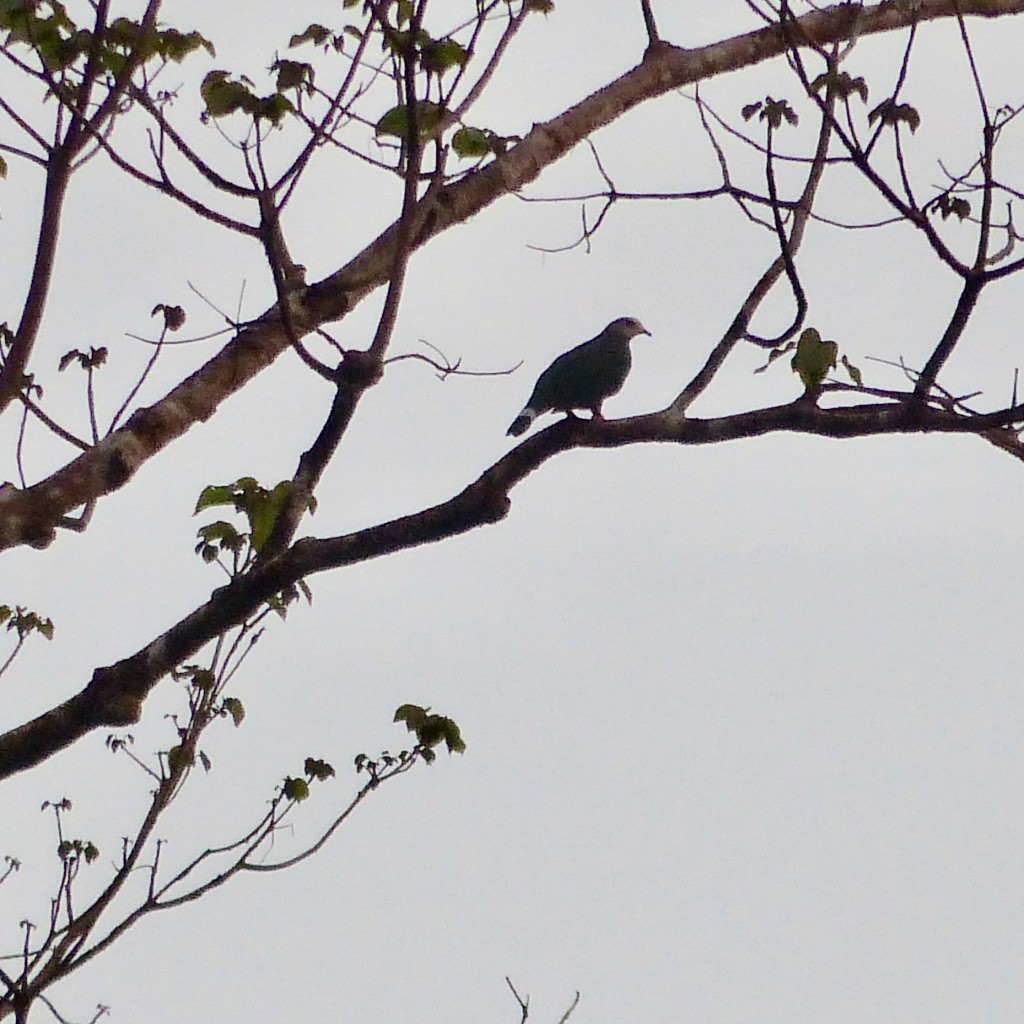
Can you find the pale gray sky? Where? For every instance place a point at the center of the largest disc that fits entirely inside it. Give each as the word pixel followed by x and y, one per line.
pixel 743 721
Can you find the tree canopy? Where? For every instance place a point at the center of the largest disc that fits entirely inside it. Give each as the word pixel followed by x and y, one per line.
pixel 393 135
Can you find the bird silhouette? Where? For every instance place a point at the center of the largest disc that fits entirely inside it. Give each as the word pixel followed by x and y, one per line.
pixel 583 377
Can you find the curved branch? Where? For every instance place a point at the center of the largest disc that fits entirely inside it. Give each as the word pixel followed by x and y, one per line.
pixel 115 694
pixel 782 263
pixel 952 334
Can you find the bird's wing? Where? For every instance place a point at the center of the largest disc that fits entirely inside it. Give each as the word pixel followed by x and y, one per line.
pixel 583 376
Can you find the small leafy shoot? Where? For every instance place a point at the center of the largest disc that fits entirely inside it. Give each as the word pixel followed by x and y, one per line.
pixel 476 143
pixel 771 110
pixel 855 375
pixel 396 121
pixel 430 729
pixel 948 205
pixel 318 769
pixel 23 621
pixel 842 84
pixel 174 316
pixel 295 789
pixel 893 114
pixel 91 360
pixel 235 708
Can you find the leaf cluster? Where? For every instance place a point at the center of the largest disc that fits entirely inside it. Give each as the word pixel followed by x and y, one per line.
pixel 224 93
pixel 260 506
pixel 62 45
pixel 812 360
pixel 315 769
pixel 430 729
pixel 24 621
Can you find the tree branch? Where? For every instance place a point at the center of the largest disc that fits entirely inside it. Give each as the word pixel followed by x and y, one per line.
pixel 115 694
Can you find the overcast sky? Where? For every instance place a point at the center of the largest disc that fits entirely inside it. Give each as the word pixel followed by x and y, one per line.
pixel 743 721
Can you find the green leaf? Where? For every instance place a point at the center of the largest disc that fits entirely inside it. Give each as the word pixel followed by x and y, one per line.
pixel 174 316
pixel 215 494
pixel 263 513
pixel 771 110
pixel 316 34
pixel 224 95
pixel 222 533
pixel 947 204
pixel 472 142
pixel 23 621
pixel 396 121
pixel 318 769
pixel 198 676
pixel 814 358
pixel 853 371
pixel 412 714
pixel 234 707
pixel 453 737
pixel 430 729
pixel 293 74
pixel 91 360
pixel 400 42
pixel 440 55
pixel 13 12
pixel 179 758
pixel 296 789
pixel 889 112
pixel 124 34
pixel 404 11
pixel 271 108
pixel 176 46
pixel 776 111
pixel 841 83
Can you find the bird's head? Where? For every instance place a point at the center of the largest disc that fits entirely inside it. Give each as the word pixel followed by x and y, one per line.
pixel 627 327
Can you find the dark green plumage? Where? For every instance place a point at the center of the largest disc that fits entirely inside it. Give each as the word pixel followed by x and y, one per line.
pixel 583 377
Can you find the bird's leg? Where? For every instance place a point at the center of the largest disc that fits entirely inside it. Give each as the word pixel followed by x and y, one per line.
pixel 595 411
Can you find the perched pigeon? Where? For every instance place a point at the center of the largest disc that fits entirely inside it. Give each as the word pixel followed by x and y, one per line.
pixel 583 377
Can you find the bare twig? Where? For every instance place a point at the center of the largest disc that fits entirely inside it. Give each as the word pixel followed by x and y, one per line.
pixel 445 367
pixel 524 1004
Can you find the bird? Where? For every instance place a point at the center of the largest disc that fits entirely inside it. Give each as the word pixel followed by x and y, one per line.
pixel 583 377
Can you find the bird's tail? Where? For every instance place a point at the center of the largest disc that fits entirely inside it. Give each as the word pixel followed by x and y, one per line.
pixel 521 423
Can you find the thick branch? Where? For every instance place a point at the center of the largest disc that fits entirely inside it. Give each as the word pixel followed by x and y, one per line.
pixel 952 334
pixel 115 694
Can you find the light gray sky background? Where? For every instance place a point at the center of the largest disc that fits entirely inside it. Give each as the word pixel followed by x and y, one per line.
pixel 743 721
